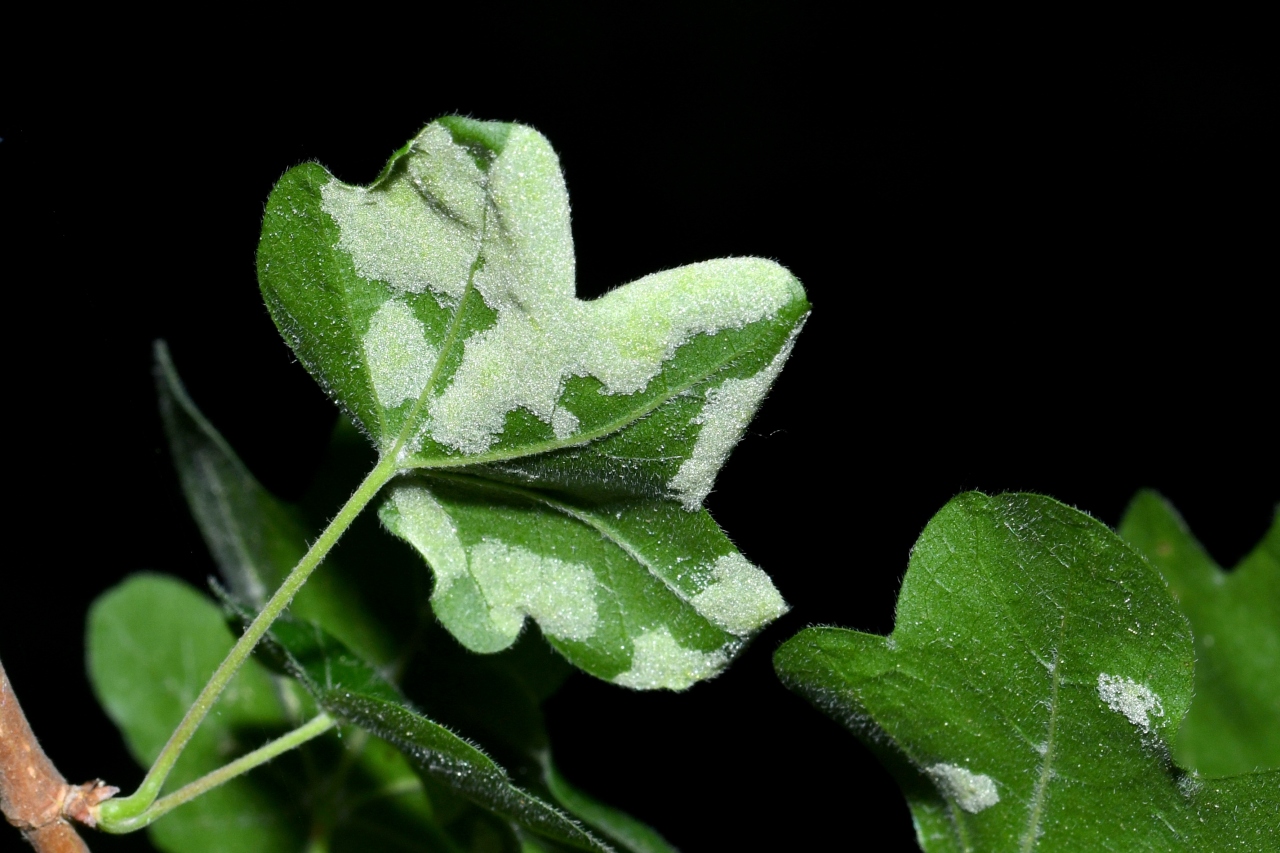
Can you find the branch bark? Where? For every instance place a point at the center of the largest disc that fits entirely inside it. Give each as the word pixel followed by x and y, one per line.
pixel 34 796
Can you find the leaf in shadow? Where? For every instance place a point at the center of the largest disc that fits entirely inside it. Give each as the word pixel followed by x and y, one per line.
pixel 1234 722
pixel 353 691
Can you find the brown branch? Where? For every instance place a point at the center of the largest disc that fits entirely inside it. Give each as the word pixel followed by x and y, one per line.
pixel 34 796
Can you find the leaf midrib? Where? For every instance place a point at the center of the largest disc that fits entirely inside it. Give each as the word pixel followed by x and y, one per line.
pixel 411 421
pixel 591 520
pixel 1032 832
pixel 577 439
pixel 538 448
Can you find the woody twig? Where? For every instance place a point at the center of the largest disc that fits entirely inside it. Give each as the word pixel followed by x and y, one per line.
pixel 34 796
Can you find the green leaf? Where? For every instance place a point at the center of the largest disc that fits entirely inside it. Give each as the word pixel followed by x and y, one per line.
pixel 621 828
pixel 495 699
pixel 1234 722
pixel 350 689
pixel 1036 674
pixel 437 306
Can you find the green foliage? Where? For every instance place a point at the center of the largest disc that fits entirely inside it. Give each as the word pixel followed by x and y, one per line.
pixel 1027 697
pixel 415 784
pixel 152 643
pixel 562 447
pixel 548 458
pixel 1234 723
pixel 350 689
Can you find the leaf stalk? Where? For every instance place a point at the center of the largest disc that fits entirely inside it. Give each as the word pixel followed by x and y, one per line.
pixel 125 810
pixel 316 727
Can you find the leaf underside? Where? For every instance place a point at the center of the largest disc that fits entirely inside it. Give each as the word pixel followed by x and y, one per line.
pixel 1026 699
pixel 438 307
pixel 1234 723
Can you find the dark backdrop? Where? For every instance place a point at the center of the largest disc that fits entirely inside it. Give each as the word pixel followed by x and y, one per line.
pixel 1033 266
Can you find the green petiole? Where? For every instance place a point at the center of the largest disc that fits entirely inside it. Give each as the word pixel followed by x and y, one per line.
pixel 126 811
pixel 113 823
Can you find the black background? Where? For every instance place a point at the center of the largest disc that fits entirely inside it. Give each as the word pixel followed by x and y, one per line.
pixel 1034 264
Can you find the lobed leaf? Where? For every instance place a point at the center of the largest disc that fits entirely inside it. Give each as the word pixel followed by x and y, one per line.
pixel 1036 674
pixel 438 307
pixel 1234 722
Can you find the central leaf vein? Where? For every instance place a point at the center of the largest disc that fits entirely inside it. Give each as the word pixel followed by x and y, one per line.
pixel 1046 767
pixel 607 531
pixel 446 346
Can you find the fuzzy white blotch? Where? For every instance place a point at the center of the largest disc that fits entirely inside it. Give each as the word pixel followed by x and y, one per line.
pixel 399 357
pixel 621 339
pixel 564 423
pixel 740 598
pixel 728 410
pixel 515 582
pixel 416 234
pixel 1125 696
pixel 428 528
pixel 1189 784
pixel 973 792
pixel 659 662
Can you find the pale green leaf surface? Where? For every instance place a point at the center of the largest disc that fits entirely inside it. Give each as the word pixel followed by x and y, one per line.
pixel 438 307
pixel 1036 674
pixel 1234 722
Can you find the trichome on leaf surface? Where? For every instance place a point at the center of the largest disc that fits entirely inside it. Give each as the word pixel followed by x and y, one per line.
pixel 1050 684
